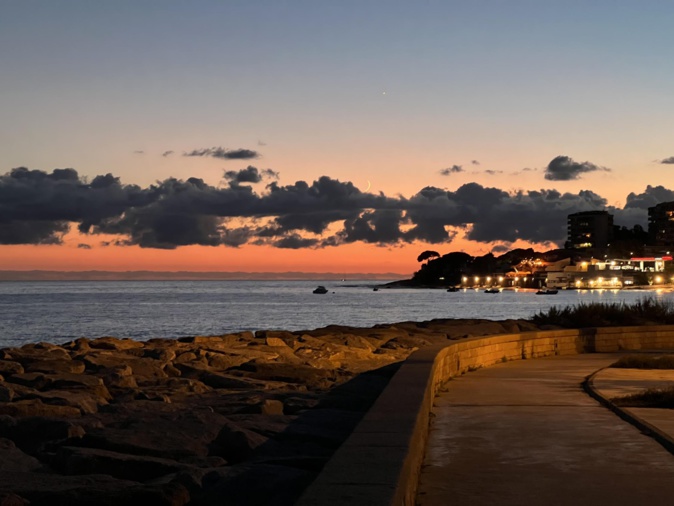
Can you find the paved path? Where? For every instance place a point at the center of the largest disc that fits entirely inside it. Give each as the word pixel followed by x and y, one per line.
pixel 524 433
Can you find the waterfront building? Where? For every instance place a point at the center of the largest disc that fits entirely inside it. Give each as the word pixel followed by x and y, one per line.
pixel 589 229
pixel 661 225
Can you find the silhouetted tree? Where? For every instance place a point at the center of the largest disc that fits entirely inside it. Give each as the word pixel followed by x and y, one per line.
pixel 445 270
pixel 427 254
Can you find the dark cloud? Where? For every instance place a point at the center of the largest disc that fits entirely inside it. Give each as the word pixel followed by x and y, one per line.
pixel 496 215
pixel 32 231
pixel 236 237
pixel 139 152
pixel 493 172
pixel 563 168
pixel 167 153
pixel 37 207
pixel 635 211
pixel 501 248
pixel 381 226
pixel 475 162
pixel 651 196
pixel 451 170
pixel 295 241
pixel 669 160
pixel 225 154
pixel 249 175
pixel 83 246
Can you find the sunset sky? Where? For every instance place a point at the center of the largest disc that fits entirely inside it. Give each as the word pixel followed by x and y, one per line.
pixel 445 125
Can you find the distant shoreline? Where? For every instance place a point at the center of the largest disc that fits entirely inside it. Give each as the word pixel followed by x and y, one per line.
pixel 410 284
pixel 40 275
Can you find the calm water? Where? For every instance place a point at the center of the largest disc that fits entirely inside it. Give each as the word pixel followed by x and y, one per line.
pixel 61 311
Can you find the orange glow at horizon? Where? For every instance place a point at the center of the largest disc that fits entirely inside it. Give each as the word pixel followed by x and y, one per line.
pixel 346 259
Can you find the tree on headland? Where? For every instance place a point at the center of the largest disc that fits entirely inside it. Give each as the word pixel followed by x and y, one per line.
pixel 445 270
pixel 427 255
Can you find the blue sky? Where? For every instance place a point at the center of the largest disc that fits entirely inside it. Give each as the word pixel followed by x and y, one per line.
pixel 514 83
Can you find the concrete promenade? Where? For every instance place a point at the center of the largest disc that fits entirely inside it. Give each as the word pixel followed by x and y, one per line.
pixel 525 433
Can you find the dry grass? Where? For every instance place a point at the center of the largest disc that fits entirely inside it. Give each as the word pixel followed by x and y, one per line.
pixel 651 398
pixel 645 362
pixel 596 314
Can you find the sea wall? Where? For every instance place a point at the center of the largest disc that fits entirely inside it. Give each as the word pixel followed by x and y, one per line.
pixel 379 463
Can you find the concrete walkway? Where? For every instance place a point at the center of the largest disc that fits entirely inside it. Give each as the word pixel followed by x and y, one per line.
pixel 524 433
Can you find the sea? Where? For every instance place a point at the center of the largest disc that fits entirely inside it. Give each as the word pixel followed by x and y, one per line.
pixel 59 311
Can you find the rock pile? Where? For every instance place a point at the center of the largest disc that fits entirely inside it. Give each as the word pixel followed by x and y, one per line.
pixel 235 419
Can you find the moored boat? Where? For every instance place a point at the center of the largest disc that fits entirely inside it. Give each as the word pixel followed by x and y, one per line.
pixel 321 289
pixel 546 291
pixel 492 290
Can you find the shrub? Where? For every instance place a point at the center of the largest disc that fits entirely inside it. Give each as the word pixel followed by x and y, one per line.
pixel 651 398
pixel 645 362
pixel 600 314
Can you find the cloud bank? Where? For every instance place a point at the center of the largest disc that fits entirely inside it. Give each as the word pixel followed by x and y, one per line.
pixel 37 207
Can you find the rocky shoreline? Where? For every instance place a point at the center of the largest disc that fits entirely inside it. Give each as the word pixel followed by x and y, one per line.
pixel 238 419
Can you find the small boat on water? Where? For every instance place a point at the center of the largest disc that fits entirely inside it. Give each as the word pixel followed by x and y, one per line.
pixel 546 291
pixel 492 290
pixel 375 289
pixel 321 289
pixel 453 289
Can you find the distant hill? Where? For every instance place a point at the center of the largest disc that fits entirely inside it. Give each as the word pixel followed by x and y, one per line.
pixel 187 276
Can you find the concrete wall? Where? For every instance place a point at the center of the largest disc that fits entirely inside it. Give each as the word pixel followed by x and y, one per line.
pixel 379 463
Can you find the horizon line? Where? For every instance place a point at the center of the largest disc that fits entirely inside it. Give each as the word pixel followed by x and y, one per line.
pixel 101 275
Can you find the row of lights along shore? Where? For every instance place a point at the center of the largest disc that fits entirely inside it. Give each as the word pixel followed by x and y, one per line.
pixel 599 282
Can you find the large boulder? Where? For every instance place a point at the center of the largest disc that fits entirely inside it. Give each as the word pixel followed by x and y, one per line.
pixel 10 367
pixel 289 373
pixel 234 443
pixel 219 380
pixel 78 460
pixel 86 402
pixel 13 459
pixel 171 494
pixel 43 489
pixel 141 367
pixel 222 361
pixel 36 380
pixel 10 499
pixel 162 354
pixel 35 407
pixel 113 343
pixel 34 352
pixel 156 429
pixel 33 433
pixel 56 366
pixel 6 393
pixel 241 485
